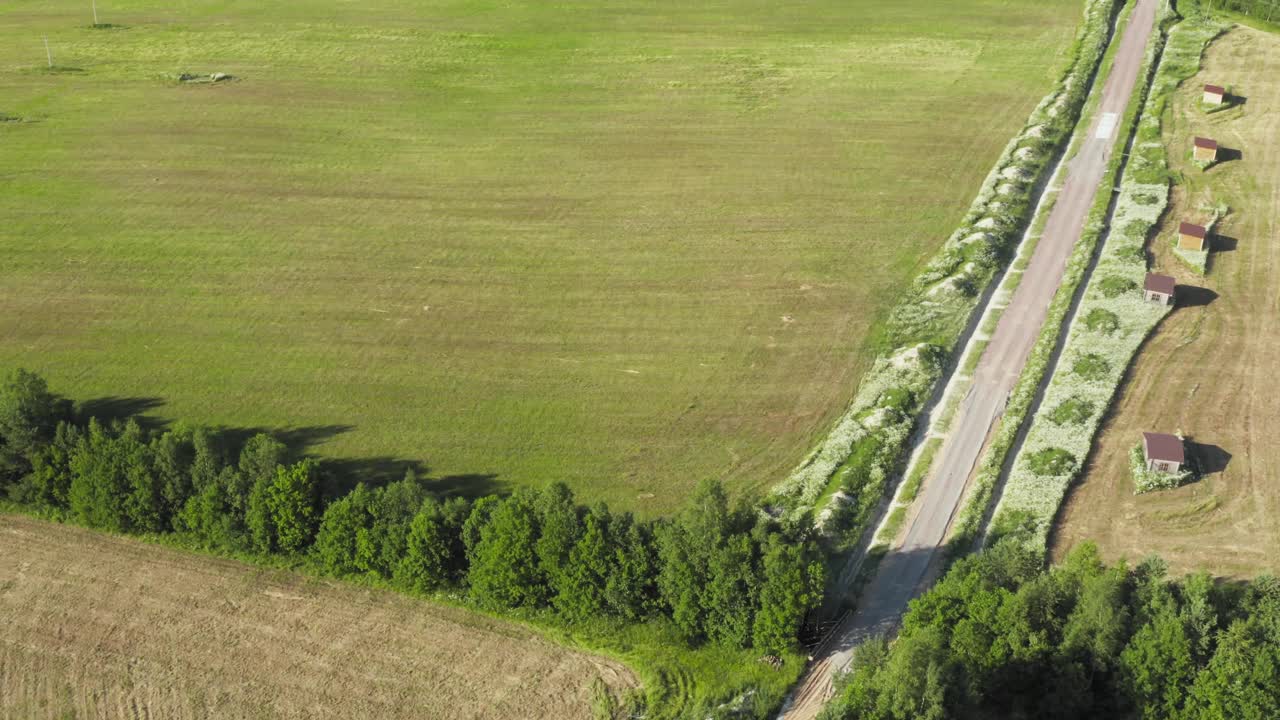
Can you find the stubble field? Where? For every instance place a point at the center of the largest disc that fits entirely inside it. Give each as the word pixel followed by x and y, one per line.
pixel 1208 371
pixel 96 626
pixel 628 245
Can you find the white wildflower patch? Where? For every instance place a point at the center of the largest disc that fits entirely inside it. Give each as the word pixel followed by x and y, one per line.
pixel 1015 172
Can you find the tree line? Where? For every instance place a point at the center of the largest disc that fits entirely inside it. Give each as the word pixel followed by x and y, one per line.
pixel 1268 10
pixel 1002 637
pixel 720 573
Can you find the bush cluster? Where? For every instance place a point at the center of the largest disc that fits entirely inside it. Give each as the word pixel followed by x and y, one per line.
pixel 730 576
pixel 1146 480
pixel 1001 637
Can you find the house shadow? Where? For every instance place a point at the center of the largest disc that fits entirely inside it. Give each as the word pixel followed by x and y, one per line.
pixel 1226 155
pixel 1209 458
pixel 1233 100
pixel 1222 243
pixel 1192 296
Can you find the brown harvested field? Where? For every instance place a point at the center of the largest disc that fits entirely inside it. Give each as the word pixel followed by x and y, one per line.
pixel 94 626
pixel 1209 368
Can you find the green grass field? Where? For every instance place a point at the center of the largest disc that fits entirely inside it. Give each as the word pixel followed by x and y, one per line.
pixel 624 243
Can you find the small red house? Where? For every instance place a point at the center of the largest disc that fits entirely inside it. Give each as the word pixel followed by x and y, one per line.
pixel 1205 149
pixel 1163 453
pixel 1159 289
pixel 1214 95
pixel 1192 236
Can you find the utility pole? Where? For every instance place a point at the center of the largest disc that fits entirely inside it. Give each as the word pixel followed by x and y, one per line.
pixel 48 53
pixel 95 11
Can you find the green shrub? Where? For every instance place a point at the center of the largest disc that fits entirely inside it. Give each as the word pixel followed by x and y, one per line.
pixel 897 398
pixel 1051 462
pixel 1073 411
pixel 1103 321
pixel 1136 228
pixel 1091 366
pixel 1115 286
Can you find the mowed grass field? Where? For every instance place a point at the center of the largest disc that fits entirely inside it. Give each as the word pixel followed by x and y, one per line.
pixel 1208 371
pixel 96 626
pixel 628 244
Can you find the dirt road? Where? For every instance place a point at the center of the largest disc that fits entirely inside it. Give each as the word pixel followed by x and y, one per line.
pixel 901 574
pixel 1209 368
pixel 95 626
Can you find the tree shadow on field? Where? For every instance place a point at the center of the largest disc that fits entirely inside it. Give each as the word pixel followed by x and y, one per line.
pixel 298 440
pixel 341 475
pixel 469 485
pixel 115 407
pixel 338 475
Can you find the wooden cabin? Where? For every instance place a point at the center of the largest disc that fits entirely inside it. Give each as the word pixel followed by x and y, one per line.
pixel 1163 453
pixel 1214 95
pixel 1205 149
pixel 1192 237
pixel 1159 289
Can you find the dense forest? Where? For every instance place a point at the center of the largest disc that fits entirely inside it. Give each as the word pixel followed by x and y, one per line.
pixel 721 574
pixel 1002 637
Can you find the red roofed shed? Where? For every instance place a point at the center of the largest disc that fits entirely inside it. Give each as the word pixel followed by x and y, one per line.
pixel 1163 452
pixel 1213 95
pixel 1159 288
pixel 1191 236
pixel 1206 149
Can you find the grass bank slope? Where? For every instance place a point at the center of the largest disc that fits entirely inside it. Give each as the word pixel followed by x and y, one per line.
pixel 624 244
pixel 1208 371
pixel 98 626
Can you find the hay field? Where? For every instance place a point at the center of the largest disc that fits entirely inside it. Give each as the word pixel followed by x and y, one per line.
pixel 106 627
pixel 626 244
pixel 1208 371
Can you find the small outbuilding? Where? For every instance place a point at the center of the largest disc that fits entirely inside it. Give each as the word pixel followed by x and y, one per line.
pixel 1192 236
pixel 1214 95
pixel 1159 289
pixel 1163 453
pixel 1205 149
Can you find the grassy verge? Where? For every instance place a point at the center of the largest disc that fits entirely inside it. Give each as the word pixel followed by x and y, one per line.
pixel 1110 323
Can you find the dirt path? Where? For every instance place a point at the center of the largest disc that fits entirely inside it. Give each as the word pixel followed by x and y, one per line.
pixel 96 626
pixel 901 574
pixel 1209 369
